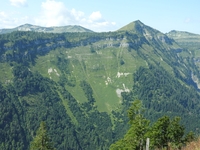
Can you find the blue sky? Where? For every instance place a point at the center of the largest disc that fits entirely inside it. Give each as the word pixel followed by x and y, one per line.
pixel 103 15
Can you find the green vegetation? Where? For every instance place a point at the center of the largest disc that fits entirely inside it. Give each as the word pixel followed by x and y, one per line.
pixel 138 127
pixel 164 133
pixel 190 44
pixel 33 98
pixel 163 95
pixel 41 140
pixel 82 84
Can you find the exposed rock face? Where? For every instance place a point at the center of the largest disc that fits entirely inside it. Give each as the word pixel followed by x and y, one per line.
pixel 44 46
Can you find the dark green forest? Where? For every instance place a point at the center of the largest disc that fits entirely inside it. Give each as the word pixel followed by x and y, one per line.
pixel 161 93
pixel 32 99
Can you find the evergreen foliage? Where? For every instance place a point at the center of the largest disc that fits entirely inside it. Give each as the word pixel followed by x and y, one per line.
pixel 135 136
pixel 162 95
pixel 88 91
pixel 41 140
pixel 164 133
pixel 33 98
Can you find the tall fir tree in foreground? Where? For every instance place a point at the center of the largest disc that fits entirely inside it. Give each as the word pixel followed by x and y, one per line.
pixel 135 136
pixel 41 140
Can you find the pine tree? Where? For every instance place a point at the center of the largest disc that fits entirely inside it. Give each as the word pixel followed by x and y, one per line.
pixel 41 140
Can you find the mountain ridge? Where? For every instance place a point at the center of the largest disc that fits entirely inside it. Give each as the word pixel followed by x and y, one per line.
pixel 174 32
pixel 53 29
pixel 134 26
pixel 187 40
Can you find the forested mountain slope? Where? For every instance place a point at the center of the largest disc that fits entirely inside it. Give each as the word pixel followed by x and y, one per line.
pixel 191 42
pixel 82 84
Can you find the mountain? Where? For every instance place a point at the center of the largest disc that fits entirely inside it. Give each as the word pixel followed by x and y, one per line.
pixel 185 39
pixel 190 42
pixel 62 29
pixel 149 33
pixel 82 83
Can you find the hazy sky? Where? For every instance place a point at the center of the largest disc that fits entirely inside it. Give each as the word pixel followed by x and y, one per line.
pixel 103 15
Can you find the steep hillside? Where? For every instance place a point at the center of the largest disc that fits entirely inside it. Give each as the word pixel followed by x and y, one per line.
pixel 191 43
pixel 62 29
pixel 81 84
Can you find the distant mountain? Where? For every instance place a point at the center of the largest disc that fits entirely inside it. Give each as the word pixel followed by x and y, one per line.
pixel 187 40
pixel 61 29
pixel 177 35
pixel 190 42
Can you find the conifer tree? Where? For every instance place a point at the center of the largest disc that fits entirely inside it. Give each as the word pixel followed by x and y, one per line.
pixel 135 136
pixel 41 140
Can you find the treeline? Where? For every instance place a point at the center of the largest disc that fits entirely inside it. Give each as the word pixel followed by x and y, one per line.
pixel 94 128
pixel 32 98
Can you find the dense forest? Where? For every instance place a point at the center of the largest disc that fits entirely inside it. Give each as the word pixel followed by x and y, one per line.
pixel 69 82
pixel 161 93
pixel 32 99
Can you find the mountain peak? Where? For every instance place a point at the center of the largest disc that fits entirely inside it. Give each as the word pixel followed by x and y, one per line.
pixel 138 22
pixel 140 28
pixel 26 25
pixel 132 26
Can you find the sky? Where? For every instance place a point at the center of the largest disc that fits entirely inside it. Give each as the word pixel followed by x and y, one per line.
pixel 103 15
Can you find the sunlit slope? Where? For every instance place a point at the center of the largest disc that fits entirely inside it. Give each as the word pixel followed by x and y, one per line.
pixel 106 61
pixel 108 64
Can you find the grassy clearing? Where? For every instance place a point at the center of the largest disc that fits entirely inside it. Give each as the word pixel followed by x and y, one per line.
pixel 105 95
pixel 77 93
pixel 97 68
pixel 100 68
